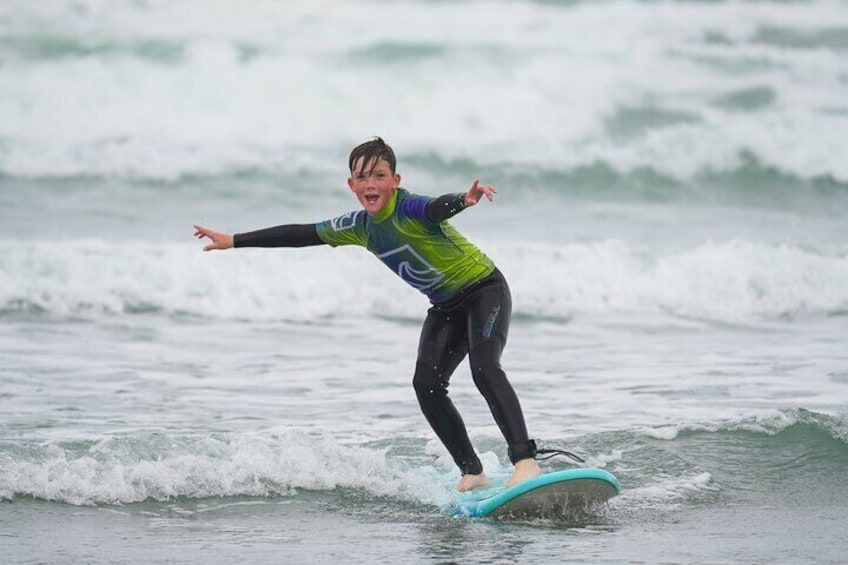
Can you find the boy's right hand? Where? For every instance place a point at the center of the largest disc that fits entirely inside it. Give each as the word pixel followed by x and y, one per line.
pixel 219 240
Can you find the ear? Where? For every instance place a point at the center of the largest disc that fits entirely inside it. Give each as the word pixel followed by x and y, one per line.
pixel 397 180
pixel 350 184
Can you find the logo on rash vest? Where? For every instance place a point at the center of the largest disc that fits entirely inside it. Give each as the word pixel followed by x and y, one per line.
pixel 345 221
pixel 412 267
pixel 490 322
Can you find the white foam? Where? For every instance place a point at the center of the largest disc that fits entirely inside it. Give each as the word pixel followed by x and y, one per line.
pixel 252 85
pixel 769 422
pixel 667 433
pixel 732 281
pixel 666 491
pixel 124 470
pixel 726 281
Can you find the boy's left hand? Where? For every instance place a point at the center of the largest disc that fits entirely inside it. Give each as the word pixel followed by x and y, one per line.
pixel 477 191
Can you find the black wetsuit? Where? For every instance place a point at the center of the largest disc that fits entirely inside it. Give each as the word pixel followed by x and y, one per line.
pixel 475 324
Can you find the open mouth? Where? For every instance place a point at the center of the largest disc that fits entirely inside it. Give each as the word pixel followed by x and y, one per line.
pixel 372 198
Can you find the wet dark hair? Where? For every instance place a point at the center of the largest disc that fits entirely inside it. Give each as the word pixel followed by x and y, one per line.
pixel 375 150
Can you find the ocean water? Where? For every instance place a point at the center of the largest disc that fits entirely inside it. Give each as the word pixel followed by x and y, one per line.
pixel 672 217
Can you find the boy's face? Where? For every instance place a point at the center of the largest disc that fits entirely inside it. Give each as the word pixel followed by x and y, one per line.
pixel 373 184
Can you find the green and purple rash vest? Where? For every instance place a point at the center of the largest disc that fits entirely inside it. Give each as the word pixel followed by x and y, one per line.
pixel 429 255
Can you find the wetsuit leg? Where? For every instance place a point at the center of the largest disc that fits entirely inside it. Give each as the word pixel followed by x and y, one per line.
pixel 442 347
pixel 488 315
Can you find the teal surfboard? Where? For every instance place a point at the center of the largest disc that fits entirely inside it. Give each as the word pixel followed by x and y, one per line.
pixel 550 495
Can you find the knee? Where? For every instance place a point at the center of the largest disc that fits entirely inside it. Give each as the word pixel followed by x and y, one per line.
pixel 483 371
pixel 489 379
pixel 428 381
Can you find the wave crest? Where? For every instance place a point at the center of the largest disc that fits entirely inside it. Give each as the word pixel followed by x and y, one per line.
pixel 732 281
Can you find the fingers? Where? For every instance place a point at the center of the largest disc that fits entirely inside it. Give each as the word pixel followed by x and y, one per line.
pixel 477 190
pixel 216 243
pixel 219 240
pixel 200 231
pixel 487 190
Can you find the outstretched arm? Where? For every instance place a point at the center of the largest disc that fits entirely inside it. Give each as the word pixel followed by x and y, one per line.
pixel 290 235
pixel 447 206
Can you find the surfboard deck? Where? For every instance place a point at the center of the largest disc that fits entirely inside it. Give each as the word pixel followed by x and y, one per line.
pixel 557 494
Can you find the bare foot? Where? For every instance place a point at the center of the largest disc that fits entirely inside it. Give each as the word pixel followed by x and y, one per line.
pixel 468 482
pixel 524 469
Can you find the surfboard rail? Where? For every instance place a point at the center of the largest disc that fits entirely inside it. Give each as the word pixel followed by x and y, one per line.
pixel 570 488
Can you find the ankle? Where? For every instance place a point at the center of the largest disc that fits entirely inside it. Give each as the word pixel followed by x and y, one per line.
pixel 526 464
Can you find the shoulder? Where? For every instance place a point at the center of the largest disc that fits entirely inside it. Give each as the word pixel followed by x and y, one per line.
pixel 413 205
pixel 348 221
pixel 346 229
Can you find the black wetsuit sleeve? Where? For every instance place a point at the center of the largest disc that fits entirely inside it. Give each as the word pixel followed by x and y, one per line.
pixel 446 206
pixel 289 235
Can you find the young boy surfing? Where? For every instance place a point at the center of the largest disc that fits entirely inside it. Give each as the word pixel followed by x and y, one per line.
pixel 471 303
